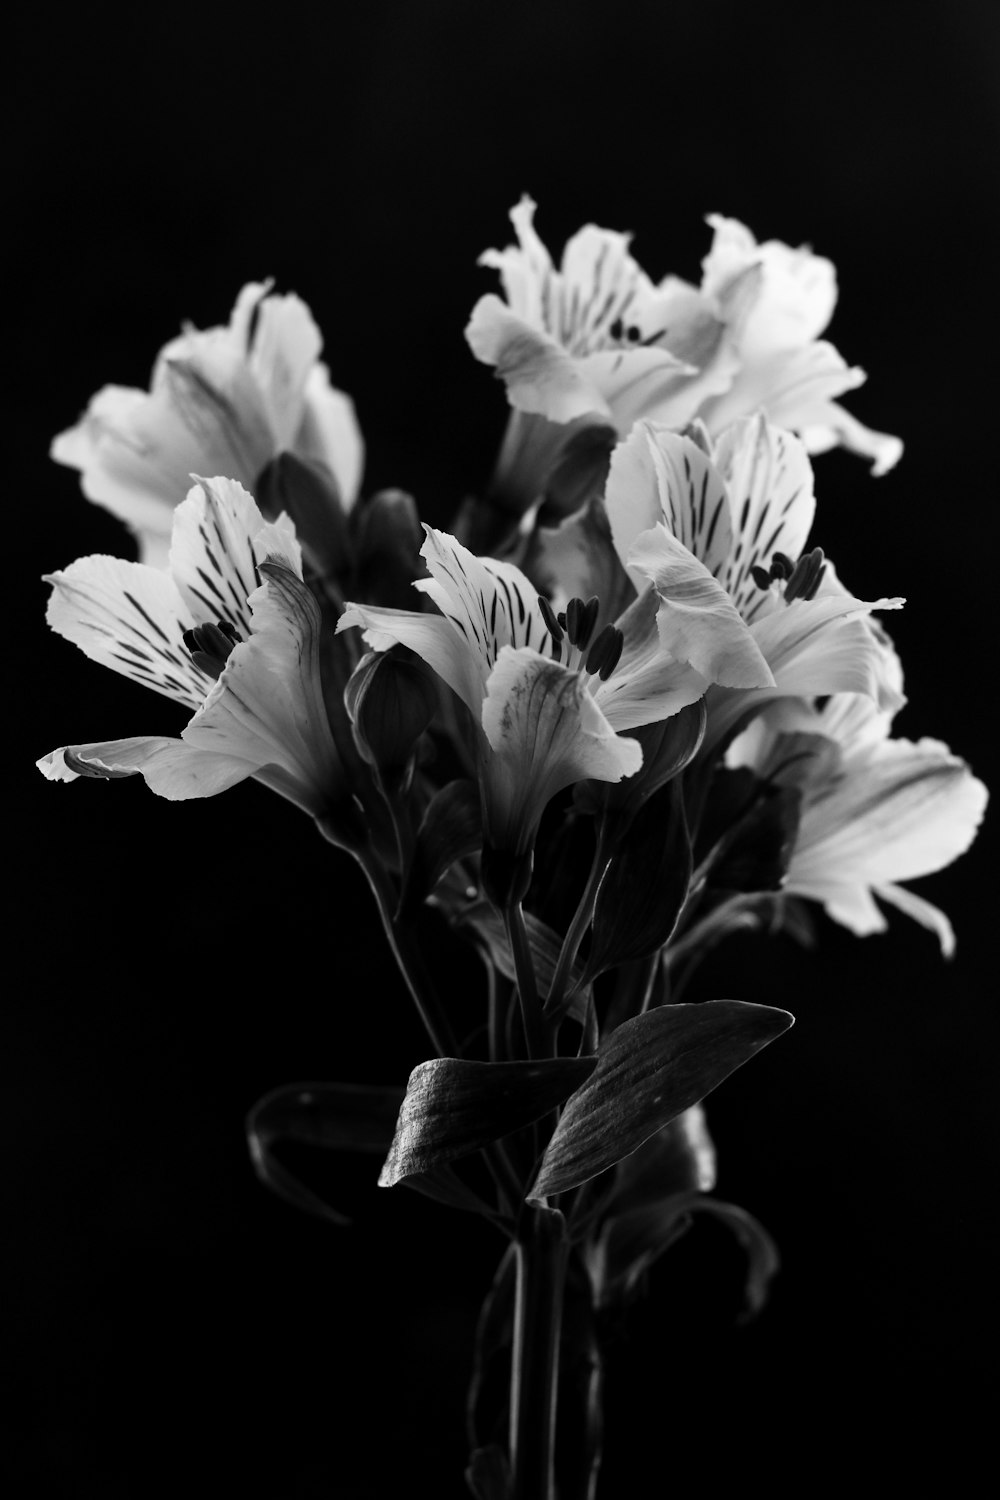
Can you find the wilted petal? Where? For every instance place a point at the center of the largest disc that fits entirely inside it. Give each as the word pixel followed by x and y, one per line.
pixel 698 622
pixel 546 732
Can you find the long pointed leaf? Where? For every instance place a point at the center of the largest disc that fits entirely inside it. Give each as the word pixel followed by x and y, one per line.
pixel 648 1071
pixel 454 1106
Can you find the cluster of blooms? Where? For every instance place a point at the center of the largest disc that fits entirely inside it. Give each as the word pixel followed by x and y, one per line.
pixel 623 708
pixel 673 409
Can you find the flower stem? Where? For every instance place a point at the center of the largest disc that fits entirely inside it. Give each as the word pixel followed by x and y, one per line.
pixel 574 937
pixel 527 987
pixel 410 963
pixel 541 1252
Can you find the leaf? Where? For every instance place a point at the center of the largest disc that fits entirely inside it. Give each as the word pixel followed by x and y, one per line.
pixel 494 1337
pixel 762 1253
pixel 336 1116
pixel 455 1106
pixel 644 888
pixel 648 1071
pixel 632 1241
pixel 451 829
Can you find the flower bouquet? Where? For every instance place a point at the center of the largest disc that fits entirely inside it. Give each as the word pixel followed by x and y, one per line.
pixel 622 709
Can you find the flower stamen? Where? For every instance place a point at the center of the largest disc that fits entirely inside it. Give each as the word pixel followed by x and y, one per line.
pixel 211 645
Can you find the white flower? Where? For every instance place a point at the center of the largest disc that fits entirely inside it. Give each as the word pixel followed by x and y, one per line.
pixel 549 697
pixel 223 401
pixel 784 369
pixel 596 338
pixel 875 810
pixel 230 631
pixel 743 508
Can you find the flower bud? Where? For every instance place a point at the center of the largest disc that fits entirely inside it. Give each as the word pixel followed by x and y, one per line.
pixel 307 491
pixel 387 538
pixel 391 700
pixel 667 747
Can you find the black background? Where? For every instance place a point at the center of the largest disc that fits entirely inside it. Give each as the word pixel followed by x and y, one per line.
pixel 175 1328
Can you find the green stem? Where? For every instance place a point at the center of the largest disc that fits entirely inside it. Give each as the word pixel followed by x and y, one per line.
pixel 527 986
pixel 541 1251
pixel 409 962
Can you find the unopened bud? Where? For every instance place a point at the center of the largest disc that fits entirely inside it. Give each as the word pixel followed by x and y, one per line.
pixel 307 491
pixel 391 700
pixel 387 539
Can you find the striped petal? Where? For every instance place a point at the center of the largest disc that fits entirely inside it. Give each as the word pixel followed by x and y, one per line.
pixel 697 620
pixel 546 732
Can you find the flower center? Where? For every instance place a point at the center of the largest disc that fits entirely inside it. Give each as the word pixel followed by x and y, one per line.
pixel 211 645
pixel 571 631
pixel 798 580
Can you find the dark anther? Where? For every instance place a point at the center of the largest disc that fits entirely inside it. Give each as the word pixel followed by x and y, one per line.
pixel 782 565
pixel 760 576
pixel 633 334
pixel 616 329
pixel 814 586
pixel 561 617
pixel 605 654
pixel 581 617
pixel 210 646
pixel 548 615
pixel 806 575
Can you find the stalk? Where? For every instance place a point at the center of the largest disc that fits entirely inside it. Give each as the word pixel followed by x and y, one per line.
pixel 541 1251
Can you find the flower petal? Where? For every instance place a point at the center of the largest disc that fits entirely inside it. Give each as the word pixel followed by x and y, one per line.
pixel 219 539
pixel 648 684
pixel 828 424
pixel 793 387
pixel 131 618
pixel 698 622
pixel 798 289
pixel 329 432
pixel 769 480
pixel 267 708
pixel 435 640
pixel 921 911
pixel 171 768
pixel 540 376
pixel 546 732
pixel 286 345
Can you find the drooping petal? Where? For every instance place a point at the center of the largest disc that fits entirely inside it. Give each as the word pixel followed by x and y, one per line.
pixel 829 425
pixel 545 732
pixel 170 767
pixel 131 618
pixel 219 539
pixel 921 911
pixel 901 811
pixel 697 621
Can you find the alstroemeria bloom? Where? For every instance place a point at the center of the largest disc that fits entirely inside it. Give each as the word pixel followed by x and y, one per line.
pixel 743 508
pixel 549 699
pixel 785 369
pixel 874 811
pixel 596 338
pixel 223 401
pixel 230 631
